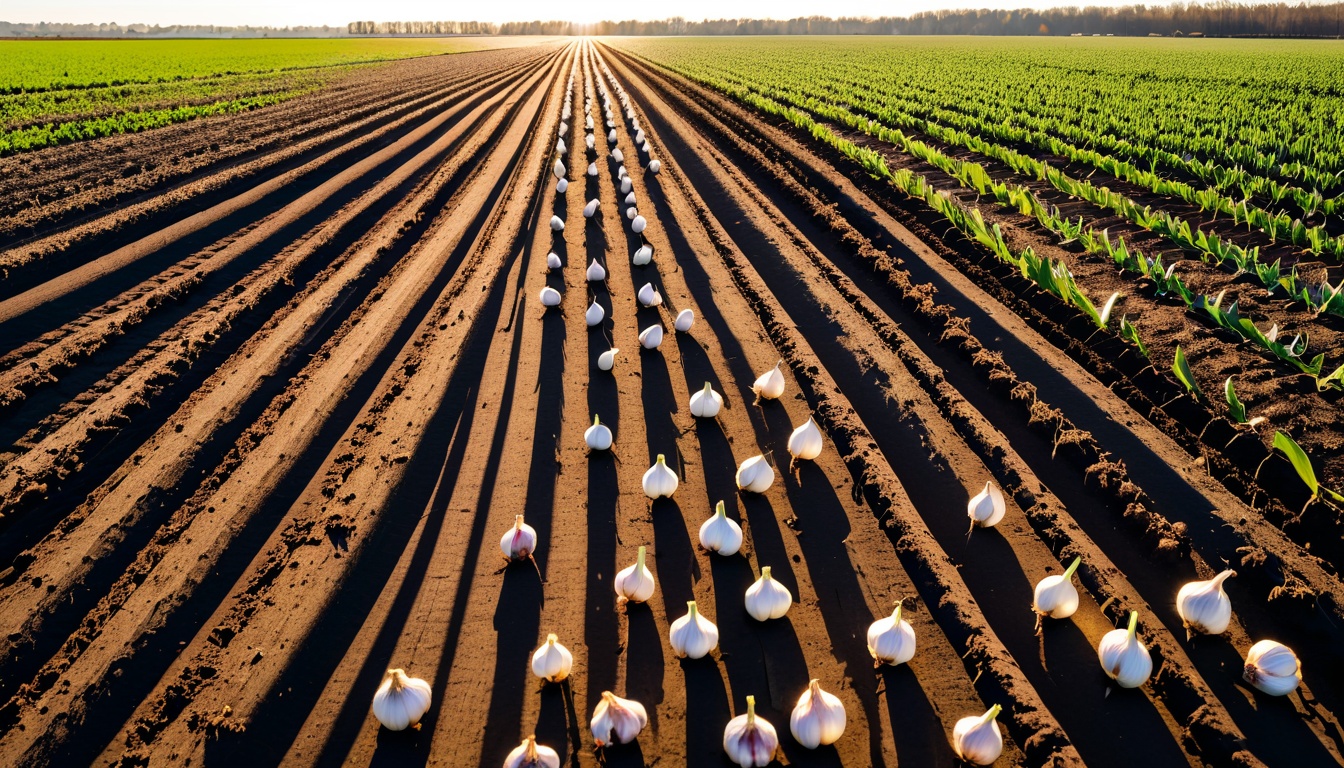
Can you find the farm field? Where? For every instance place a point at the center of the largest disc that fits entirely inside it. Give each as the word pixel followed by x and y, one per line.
pixel 276 385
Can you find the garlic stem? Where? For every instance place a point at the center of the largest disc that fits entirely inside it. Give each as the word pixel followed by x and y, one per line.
pixel 996 709
pixel 751 707
pixel 639 560
pixel 896 615
pixel 1068 572
pixel 1133 623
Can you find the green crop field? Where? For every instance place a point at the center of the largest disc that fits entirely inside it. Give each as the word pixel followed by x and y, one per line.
pixel 56 91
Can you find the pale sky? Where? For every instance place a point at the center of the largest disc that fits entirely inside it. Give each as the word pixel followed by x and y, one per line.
pixel 280 13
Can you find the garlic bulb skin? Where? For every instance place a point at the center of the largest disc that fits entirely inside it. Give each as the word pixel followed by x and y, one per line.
pixel 561 186
pixel 630 198
pixel 552 661
pixel 589 141
pixel 626 184
pixel 655 167
pixel 977 739
pixel 769 385
pixel 767 598
pixel 755 475
pixel 558 169
pixel 635 583
pixel 557 225
pixel 643 255
pixel 891 640
pixel 552 261
pixel 560 143
pixel 401 701
pixel 530 754
pixel 639 137
pixel 720 533
pixel 617 156
pixel 1204 606
pixel 550 297
pixel 1055 596
pixel 592 169
pixel 818 718
pixel 637 226
pixel 987 507
pixel 705 403
pixel 649 296
pixel 520 541
pixel 1124 657
pixel 607 360
pixel 750 741
pixel 651 337
pixel 620 172
pixel 693 636
pixel 1272 668
pixel 598 436
pixel 617 720
pixel 659 480
pixel 685 319
pixel 595 314
pixel 590 209
pixel 596 272
pixel 611 137
pixel 805 442
pixel 631 213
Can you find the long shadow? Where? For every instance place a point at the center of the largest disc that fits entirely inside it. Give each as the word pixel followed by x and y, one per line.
pixel 644 661
pixel 707 711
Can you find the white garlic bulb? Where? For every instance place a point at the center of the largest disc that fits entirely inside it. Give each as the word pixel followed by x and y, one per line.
pixel 693 636
pixel 595 314
pixel 818 718
pixel 655 167
pixel 557 225
pixel 634 584
pixel 705 403
pixel 891 640
pixel 596 272
pixel 639 137
pixel 1203 605
pixel 558 169
pixel 630 198
pixel 520 541
pixel 552 261
pixel 401 701
pixel 805 442
pixel 626 185
pixel 620 172
pixel 769 385
pixel 561 186
pixel 1055 596
pixel 564 128
pixel 631 213
pixel 560 143
pixel 643 255
pixel 685 319
pixel 651 337
pixel 750 741
pixel 588 122
pixel 720 533
pixel 611 137
pixel 977 739
pixel 598 436
pixel 659 480
pixel 552 661
pixel 530 754
pixel 589 142
pixel 1272 668
pixel 649 296
pixel 1124 657
pixel 607 360
pixel 592 169
pixel 617 720
pixel 550 297
pixel 638 225
pixel 590 209
pixel 987 507
pixel 755 475
pixel 617 156
pixel 767 598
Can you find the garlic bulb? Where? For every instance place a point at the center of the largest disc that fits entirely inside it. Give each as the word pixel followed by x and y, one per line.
pixel 891 640
pixel 400 701
pixel 520 541
pixel 705 403
pixel 552 661
pixel 639 137
pixel 649 296
pixel 561 186
pixel 558 169
pixel 818 718
pixel 692 636
pixel 655 167
pixel 596 272
pixel 626 185
pixel 595 314
pixel 592 169
pixel 588 122
pixel 588 141
pixel 659 480
pixel 1272 668
pixel 643 255
pixel 755 475
pixel 1124 657
pixel 651 337
pixel 769 385
pixel 1055 596
pixel 987 507
pixel 768 599
pixel 637 226
pixel 617 720
pixel 620 173
pixel 598 436
pixel 720 533
pixel 634 584
pixel 550 297
pixel 805 442
pixel 564 128
pixel 685 319
pixel 607 359
pixel 552 261
pixel 630 198
pixel 557 225
pixel 749 740
pixel 590 209
pixel 617 156
pixel 631 213
pixel 560 143
pixel 1204 606
pixel 977 739
pixel 530 754
pixel 611 137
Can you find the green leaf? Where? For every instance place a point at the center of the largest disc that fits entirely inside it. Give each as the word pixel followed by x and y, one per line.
pixel 1181 367
pixel 1301 463
pixel 1233 403
pixel 1130 333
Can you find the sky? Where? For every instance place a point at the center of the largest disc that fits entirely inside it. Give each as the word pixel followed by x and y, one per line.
pixel 280 13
